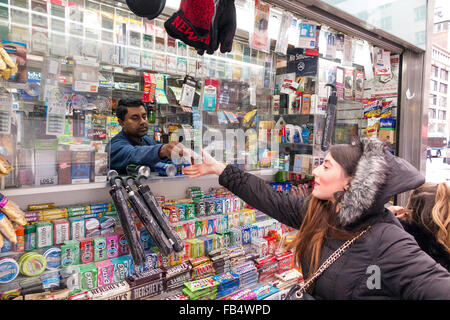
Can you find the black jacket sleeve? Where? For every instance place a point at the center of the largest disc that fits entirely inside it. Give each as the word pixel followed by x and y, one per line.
pixel 288 209
pixel 407 271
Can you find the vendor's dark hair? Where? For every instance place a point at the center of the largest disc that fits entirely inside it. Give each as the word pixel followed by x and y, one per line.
pixel 123 104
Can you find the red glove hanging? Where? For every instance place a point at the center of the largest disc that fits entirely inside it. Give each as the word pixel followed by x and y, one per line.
pixel 192 23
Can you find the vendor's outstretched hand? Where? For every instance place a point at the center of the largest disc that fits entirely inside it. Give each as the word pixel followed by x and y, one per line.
pixel 209 165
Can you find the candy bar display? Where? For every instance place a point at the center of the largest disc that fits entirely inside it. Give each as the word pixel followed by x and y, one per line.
pixel 83 248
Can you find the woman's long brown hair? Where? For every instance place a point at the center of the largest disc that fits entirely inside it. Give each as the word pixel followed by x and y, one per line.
pixel 320 221
pixel 429 206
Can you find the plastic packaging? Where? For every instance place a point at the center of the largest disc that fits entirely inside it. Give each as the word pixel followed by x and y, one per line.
pixel 30 237
pixel 12 211
pixel 7 229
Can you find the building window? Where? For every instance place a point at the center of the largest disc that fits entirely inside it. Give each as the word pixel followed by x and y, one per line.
pixel 433 99
pixel 444 75
pixel 363 15
pixel 443 88
pixel 420 13
pixel 421 37
pixel 433 85
pixel 432 114
pixel 386 23
pixel 442 115
pixel 435 71
pixel 443 101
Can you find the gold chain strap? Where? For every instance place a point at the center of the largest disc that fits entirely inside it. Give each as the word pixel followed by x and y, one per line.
pixel 331 259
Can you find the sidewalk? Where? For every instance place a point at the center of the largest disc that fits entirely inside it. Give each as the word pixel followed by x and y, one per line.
pixel 437 171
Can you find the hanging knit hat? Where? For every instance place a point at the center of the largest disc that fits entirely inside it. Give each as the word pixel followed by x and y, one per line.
pixel 192 22
pixel 149 9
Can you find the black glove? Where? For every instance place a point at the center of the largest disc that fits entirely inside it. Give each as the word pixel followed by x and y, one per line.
pixel 223 28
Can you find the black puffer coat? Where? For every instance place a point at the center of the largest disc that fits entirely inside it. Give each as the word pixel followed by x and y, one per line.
pixel 405 271
pixel 428 243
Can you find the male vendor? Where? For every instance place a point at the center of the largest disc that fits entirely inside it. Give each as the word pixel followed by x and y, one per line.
pixel 132 145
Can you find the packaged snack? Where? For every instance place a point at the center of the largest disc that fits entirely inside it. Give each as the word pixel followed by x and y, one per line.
pixel 100 253
pixel 70 253
pixel 32 264
pixel 86 250
pixel 44 234
pixel 123 245
pixel 53 257
pixel 61 230
pixel 9 269
pixel 112 245
pixel 30 237
pixel 116 291
pixel 121 267
pixel 372 108
pixel 373 125
pixel 5 167
pixel 77 227
pixel 35 207
pixel 88 276
pixel 386 109
pixel 12 211
pixel 105 272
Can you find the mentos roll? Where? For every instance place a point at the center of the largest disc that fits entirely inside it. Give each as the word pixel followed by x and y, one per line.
pixel 166 169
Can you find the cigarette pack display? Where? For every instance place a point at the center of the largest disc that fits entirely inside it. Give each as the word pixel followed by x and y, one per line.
pixel 64 158
pixel 100 166
pixel 81 166
pixel 45 164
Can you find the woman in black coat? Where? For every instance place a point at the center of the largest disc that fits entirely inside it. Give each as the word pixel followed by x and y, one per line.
pixel 351 187
pixel 427 219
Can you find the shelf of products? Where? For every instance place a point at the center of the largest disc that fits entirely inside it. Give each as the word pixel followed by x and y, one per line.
pixel 221 234
pixel 261 107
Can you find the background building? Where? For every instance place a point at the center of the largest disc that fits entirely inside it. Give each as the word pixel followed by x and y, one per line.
pixel 439 118
pixel 438 122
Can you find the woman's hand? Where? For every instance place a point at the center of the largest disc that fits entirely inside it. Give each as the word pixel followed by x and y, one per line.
pixel 209 165
pixel 400 212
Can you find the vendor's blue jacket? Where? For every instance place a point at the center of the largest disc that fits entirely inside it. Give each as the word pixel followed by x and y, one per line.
pixel 124 151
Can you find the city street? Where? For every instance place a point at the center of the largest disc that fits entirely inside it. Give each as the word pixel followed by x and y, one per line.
pixel 437 170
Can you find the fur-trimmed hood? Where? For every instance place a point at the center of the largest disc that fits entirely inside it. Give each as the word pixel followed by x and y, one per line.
pixel 379 176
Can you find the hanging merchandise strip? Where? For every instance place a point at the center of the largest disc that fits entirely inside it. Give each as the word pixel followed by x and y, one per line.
pixel 56 110
pixel 5 112
pixel 259 39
